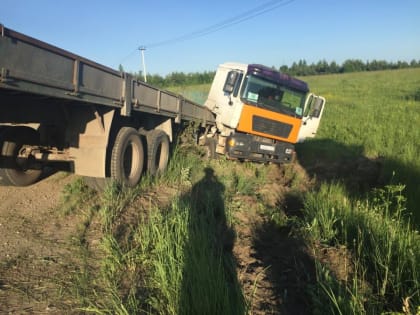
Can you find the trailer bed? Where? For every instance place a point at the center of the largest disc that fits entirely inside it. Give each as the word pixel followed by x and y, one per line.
pixel 29 67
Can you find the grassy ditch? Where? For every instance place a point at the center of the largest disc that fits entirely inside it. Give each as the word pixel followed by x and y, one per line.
pixel 170 245
pixel 167 245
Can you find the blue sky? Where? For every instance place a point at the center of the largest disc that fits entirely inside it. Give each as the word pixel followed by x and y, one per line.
pixel 110 32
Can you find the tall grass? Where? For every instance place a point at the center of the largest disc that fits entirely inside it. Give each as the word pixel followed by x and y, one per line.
pixel 385 249
pixel 187 246
pixel 176 258
pixel 188 272
pixel 114 284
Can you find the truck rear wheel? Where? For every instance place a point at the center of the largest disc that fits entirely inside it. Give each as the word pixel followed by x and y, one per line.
pixel 15 170
pixel 157 151
pixel 127 157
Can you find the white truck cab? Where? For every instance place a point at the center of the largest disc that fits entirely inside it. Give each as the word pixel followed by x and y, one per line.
pixel 269 111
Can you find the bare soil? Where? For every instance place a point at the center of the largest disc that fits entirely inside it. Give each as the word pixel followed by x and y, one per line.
pixel 35 248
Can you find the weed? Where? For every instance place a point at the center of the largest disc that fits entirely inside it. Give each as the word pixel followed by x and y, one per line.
pixel 74 194
pixel 385 247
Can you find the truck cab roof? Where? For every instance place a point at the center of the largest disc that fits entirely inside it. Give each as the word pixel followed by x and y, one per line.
pixel 269 73
pixel 281 78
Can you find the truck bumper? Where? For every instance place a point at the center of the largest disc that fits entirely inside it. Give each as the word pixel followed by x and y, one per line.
pixel 247 147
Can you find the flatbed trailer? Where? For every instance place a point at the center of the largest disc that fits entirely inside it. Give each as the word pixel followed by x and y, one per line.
pixel 56 106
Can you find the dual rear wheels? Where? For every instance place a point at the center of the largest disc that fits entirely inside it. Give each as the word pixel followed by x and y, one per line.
pixel 128 160
pixel 131 154
pixel 129 157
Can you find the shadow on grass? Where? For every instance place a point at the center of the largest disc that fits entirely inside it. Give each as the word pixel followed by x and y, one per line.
pixel 290 270
pixel 209 280
pixel 329 161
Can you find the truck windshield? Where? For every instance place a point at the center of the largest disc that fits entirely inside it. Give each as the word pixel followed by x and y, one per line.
pixel 272 96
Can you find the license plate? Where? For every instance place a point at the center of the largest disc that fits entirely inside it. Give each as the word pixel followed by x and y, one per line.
pixel 267 147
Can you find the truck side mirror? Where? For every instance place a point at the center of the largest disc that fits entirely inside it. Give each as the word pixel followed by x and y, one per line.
pixel 317 107
pixel 231 81
pixel 313 107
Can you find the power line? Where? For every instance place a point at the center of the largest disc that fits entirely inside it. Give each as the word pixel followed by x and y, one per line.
pixel 240 18
pixel 252 13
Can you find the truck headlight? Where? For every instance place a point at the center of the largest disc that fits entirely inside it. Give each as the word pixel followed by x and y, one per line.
pixel 232 142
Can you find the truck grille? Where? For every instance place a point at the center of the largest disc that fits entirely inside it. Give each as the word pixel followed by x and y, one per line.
pixel 271 127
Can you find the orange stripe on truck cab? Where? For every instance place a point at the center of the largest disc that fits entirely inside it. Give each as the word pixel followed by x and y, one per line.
pixel 266 123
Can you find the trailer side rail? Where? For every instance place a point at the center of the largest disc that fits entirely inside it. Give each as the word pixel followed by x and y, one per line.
pixel 28 65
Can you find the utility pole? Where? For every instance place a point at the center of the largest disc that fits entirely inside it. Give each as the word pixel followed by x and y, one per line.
pixel 142 49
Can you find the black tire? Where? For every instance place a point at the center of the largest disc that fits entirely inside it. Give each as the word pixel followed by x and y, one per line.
pixel 210 149
pixel 157 151
pixel 127 157
pixel 14 171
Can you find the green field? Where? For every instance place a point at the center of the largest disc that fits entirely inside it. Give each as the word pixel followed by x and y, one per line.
pixel 375 115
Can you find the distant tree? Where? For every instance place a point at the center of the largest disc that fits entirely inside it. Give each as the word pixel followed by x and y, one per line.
pixel 120 68
pixel 156 80
pixel 376 65
pixel 353 65
pixel 322 67
pixel 176 78
pixel 414 63
pixel 402 64
pixel 311 69
pixel 333 67
pixel 300 68
pixel 303 67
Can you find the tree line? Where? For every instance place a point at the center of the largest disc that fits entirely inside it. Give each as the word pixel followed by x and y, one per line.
pixel 300 68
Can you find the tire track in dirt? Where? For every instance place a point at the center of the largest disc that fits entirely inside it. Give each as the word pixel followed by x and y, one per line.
pixel 274 266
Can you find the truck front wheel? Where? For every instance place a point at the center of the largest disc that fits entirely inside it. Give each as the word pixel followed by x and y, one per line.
pixel 18 167
pixel 157 151
pixel 127 157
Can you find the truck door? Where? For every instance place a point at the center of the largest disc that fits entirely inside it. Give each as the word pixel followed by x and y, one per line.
pixel 314 108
